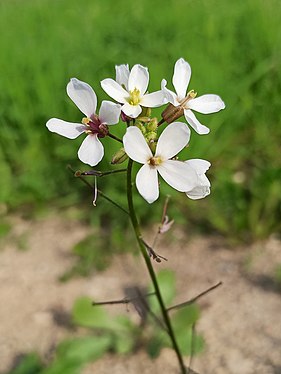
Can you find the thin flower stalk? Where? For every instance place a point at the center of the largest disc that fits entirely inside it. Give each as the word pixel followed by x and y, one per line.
pixel 150 269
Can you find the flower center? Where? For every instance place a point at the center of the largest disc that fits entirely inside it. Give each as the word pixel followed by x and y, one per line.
pixel 155 161
pixel 94 126
pixel 134 98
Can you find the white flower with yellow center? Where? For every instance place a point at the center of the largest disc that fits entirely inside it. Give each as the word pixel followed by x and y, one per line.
pixel 130 90
pixel 94 126
pixel 188 101
pixel 178 174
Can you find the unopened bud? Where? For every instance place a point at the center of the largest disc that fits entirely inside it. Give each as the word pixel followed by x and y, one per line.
pixel 172 113
pixel 119 157
pixel 144 119
pixel 152 125
pixel 151 136
pixel 125 118
pixel 141 127
pixel 146 112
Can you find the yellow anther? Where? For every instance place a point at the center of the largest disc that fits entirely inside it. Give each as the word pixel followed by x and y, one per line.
pixel 192 94
pixel 86 120
pixel 155 161
pixel 134 98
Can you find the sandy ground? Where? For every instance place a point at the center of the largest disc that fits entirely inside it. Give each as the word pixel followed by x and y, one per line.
pixel 241 320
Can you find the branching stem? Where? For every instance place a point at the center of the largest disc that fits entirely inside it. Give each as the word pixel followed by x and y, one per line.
pixel 150 269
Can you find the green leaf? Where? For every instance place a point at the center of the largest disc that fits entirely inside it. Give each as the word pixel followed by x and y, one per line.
pixel 124 343
pixel 73 354
pixel 156 343
pixel 185 317
pixel 182 323
pixel 5 228
pixel 30 364
pixel 167 283
pixel 85 314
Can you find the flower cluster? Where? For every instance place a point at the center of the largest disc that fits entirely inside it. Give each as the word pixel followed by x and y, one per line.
pixel 141 141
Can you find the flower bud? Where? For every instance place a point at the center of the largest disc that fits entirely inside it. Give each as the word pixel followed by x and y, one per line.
pixel 119 157
pixel 141 127
pixel 125 118
pixel 146 112
pixel 151 136
pixel 152 125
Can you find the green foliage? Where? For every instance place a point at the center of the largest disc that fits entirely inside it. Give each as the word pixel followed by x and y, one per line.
pixel 30 364
pixel 72 354
pixel 118 334
pixel 121 331
pixel 125 336
pixel 182 320
pixel 234 50
pixel 167 281
pixel 5 228
pixel 91 254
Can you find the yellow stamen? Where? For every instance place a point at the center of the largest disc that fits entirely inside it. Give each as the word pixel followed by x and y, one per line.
pixel 86 120
pixel 155 161
pixel 191 95
pixel 134 98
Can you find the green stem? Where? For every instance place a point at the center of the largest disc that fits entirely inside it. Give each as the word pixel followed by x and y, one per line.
pixel 149 266
pixel 99 191
pixel 115 138
pixel 97 173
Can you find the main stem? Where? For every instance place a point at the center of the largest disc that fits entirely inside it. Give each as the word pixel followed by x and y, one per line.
pixel 147 260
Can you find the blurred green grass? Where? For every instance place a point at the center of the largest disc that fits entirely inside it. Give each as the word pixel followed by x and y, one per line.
pixel 234 49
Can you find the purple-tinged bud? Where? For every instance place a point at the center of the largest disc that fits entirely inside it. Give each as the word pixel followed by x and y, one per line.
pixel 125 118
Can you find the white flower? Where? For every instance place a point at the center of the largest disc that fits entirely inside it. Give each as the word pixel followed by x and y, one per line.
pixel 203 187
pixel 177 174
pixel 95 126
pixel 188 102
pixel 133 95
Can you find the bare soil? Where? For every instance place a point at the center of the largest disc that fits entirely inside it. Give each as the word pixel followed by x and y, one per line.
pixel 241 320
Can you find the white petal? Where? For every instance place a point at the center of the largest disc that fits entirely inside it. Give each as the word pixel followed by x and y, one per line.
pixel 178 175
pixel 132 111
pixel 193 121
pixel 122 74
pixel 199 192
pixel 206 104
pixel 181 77
pixel 109 113
pixel 83 96
pixel 153 99
pixel 91 150
pixel 203 188
pixel 170 95
pixel 135 145
pixel 139 78
pixel 199 165
pixel 172 140
pixel 68 129
pixel 114 90
pixel 147 183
